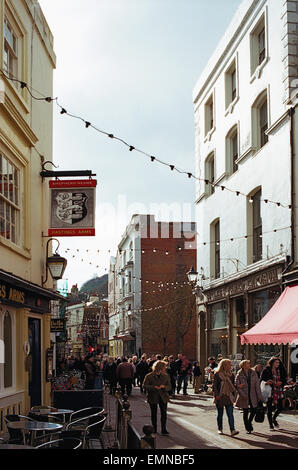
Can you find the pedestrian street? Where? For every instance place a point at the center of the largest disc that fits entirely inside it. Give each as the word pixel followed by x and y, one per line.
pixel 191 423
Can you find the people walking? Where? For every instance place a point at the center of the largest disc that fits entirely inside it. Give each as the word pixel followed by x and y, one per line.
pixel 197 376
pixel 124 374
pixel 109 374
pixel 249 393
pixel 224 394
pixel 142 369
pixel 258 368
pixel 157 385
pixel 172 371
pixel 90 370
pixel 209 372
pixel 274 375
pixel 183 365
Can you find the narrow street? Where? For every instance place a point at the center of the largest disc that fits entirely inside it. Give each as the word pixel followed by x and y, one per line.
pixel 192 425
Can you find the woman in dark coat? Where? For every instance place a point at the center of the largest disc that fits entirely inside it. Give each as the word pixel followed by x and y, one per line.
pixel 157 385
pixel 274 375
pixel 250 396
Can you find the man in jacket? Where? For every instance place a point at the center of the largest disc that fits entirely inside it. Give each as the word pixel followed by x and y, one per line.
pixel 157 385
pixel 142 369
pixel 124 374
pixel 90 370
pixel 183 365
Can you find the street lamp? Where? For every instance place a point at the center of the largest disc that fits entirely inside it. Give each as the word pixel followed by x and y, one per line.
pixel 192 275
pixel 56 264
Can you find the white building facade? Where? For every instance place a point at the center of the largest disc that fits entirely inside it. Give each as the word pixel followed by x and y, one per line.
pixel 125 293
pixel 244 103
pixel 75 314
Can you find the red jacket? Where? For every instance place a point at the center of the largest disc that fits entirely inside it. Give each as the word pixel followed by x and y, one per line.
pixel 125 371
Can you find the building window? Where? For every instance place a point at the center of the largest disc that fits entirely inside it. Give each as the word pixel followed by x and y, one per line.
pixel 231 84
pixel 129 282
pixel 260 121
pixel 258 45
pixel 209 115
pixel 215 249
pixel 218 329
pixel 232 152
pixel 10 56
pixel 263 124
pixel 9 200
pixel 131 250
pixel 261 45
pixel 257 227
pixel 209 174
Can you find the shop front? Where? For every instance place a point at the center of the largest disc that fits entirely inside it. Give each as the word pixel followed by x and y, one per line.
pixel 25 332
pixel 232 308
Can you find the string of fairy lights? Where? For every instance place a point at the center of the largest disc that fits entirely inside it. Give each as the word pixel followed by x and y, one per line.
pixel 159 284
pixel 88 124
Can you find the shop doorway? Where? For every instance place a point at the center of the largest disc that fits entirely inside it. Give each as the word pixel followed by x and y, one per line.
pixel 34 339
pixel 239 326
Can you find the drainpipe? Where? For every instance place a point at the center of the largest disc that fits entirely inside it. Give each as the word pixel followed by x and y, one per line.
pixel 292 258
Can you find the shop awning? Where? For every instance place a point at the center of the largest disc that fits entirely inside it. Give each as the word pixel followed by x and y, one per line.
pixel 280 324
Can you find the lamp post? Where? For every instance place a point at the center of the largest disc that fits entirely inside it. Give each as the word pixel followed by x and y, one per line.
pixel 198 292
pixel 56 264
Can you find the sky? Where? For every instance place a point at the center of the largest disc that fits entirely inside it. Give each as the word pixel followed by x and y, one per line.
pixel 129 67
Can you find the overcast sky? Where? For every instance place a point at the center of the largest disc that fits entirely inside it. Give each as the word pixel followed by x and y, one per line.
pixel 129 67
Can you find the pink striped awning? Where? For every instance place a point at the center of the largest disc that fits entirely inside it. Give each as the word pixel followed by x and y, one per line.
pixel 280 324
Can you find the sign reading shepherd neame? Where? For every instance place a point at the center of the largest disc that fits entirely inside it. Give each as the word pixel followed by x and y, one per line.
pixel 72 208
pixel 255 281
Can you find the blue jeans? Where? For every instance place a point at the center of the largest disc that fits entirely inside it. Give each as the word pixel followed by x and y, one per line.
pixel 229 410
pixel 184 379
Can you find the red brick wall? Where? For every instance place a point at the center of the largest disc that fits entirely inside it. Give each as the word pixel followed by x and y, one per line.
pixel 170 268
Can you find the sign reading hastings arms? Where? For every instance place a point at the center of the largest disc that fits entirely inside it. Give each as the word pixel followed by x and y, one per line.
pixel 246 284
pixel 72 208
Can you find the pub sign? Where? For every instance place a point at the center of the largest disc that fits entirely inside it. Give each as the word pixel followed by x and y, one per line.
pixel 72 208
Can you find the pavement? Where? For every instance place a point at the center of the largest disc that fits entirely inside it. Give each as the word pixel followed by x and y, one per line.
pixel 192 425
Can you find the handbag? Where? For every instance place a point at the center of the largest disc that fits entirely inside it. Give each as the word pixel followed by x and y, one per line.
pixel 266 391
pixel 260 414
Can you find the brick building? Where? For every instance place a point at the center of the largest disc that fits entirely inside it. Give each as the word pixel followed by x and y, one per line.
pixel 155 311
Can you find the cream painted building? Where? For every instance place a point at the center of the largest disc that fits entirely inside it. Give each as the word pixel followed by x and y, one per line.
pixel 244 105
pixel 26 55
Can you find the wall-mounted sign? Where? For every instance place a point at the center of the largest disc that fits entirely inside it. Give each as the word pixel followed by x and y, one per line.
pixel 72 208
pixel 57 325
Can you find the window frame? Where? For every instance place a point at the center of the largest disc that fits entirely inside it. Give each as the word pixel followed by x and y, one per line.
pixel 209 116
pixel 210 175
pixel 258 56
pixel 231 85
pixel 10 205
pixel 11 389
pixel 259 136
pixel 231 157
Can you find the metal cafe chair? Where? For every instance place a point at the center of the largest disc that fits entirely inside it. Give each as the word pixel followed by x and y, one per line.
pixel 80 427
pixel 64 443
pixel 94 432
pixel 85 412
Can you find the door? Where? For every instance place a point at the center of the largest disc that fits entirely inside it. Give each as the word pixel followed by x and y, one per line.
pixel 34 361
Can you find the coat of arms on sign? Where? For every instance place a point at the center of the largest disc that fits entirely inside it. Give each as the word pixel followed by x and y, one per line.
pixel 71 207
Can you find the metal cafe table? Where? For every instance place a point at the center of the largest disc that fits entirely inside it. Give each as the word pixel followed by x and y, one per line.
pixel 33 427
pixel 55 411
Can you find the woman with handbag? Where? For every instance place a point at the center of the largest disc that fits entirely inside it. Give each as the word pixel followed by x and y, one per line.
pixel 250 396
pixel 224 394
pixel 274 375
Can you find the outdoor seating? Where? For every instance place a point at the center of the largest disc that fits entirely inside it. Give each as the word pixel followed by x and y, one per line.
pixel 94 432
pixel 85 413
pixel 64 443
pixel 88 425
pixel 16 436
